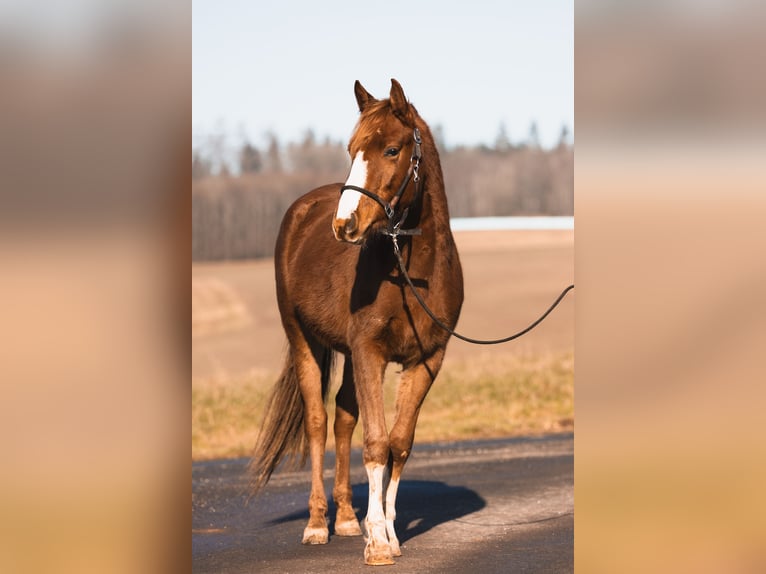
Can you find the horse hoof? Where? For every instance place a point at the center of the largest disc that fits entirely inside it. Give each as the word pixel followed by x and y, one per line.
pixel 315 536
pixel 380 556
pixel 383 560
pixel 349 528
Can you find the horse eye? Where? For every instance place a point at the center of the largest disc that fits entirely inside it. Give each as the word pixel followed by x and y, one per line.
pixel 392 152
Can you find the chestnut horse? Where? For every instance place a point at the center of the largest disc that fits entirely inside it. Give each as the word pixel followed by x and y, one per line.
pixel 339 289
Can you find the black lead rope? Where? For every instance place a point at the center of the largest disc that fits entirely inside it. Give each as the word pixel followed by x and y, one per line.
pixel 436 320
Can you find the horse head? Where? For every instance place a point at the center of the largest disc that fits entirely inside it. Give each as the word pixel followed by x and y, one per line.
pixel 384 154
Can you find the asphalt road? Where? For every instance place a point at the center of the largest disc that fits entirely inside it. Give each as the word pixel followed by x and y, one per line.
pixel 485 506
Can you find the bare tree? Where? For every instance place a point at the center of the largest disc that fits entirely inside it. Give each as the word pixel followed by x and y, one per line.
pixel 273 154
pixel 250 160
pixel 533 139
pixel 200 165
pixel 502 141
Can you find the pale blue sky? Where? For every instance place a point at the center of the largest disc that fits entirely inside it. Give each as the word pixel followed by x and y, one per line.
pixel 287 66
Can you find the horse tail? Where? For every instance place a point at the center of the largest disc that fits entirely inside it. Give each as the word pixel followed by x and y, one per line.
pixel 282 435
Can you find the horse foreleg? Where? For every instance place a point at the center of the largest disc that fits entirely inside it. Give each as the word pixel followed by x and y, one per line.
pixel 368 376
pixel 413 387
pixel 315 427
pixel 346 416
pixel 378 550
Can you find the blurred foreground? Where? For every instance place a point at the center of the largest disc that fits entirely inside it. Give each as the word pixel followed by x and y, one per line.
pixel 671 325
pixel 669 273
pixel 94 219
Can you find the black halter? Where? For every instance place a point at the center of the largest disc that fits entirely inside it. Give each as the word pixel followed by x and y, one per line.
pixel 396 218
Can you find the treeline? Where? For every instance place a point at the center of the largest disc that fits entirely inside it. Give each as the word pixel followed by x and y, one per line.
pixel 236 211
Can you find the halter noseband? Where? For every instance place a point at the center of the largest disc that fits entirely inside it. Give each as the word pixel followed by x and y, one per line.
pixel 395 219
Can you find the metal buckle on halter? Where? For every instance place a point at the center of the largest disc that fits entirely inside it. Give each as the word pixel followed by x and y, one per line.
pixel 394 230
pixel 416 155
pixel 418 141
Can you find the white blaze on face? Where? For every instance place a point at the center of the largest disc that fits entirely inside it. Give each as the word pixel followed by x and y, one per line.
pixel 349 199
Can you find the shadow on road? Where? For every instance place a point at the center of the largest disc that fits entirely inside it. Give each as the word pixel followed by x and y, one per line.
pixel 420 506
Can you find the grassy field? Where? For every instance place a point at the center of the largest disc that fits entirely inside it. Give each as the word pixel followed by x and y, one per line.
pixel 524 387
pixel 481 400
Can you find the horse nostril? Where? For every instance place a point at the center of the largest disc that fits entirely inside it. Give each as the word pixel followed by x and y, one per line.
pixel 350 226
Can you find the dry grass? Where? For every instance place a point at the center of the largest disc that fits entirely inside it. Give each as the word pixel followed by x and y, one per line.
pixel 486 396
pixel 226 415
pixel 500 397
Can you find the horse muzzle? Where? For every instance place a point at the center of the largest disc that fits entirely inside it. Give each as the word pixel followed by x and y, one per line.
pixel 347 229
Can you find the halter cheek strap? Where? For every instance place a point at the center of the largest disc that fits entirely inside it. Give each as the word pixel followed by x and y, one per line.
pixel 395 219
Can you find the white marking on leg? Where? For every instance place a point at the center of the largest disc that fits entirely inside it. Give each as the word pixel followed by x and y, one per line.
pixel 393 487
pixel 375 513
pixel 349 199
pixel 377 550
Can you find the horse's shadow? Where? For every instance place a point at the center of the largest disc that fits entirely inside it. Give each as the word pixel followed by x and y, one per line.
pixel 420 506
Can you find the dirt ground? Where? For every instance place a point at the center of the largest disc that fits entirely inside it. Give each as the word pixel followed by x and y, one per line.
pixel 511 277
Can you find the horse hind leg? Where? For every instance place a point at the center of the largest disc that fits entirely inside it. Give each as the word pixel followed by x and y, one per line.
pixel 313 364
pixel 413 387
pixel 346 416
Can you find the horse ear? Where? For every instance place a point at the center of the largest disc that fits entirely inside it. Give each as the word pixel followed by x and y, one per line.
pixel 399 103
pixel 363 97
